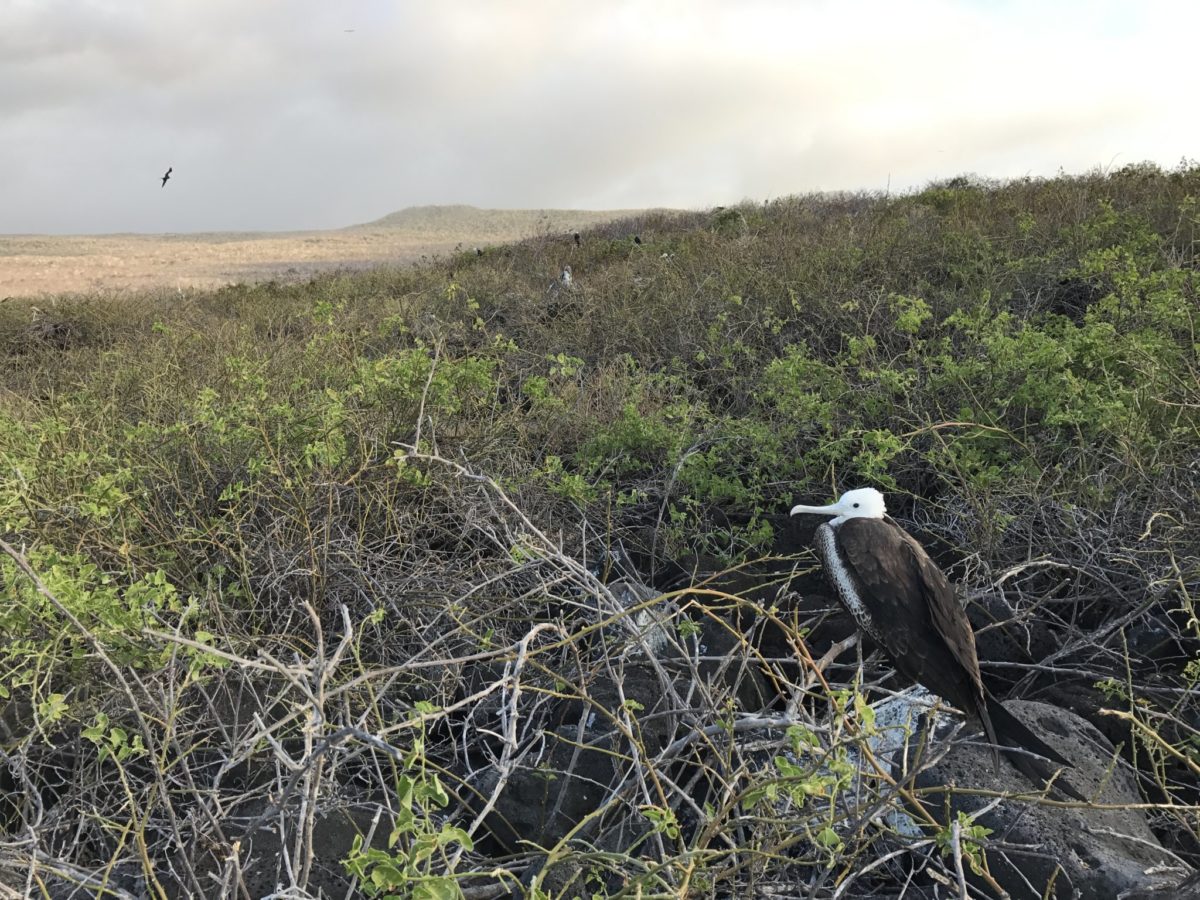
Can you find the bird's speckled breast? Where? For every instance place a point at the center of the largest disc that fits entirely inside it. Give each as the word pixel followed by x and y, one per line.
pixel 844 583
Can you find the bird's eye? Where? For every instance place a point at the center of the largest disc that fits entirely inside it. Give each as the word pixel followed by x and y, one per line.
pixel 856 506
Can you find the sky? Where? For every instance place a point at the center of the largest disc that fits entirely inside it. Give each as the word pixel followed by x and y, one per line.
pixel 302 114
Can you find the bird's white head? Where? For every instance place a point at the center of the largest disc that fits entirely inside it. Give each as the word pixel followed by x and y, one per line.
pixel 864 503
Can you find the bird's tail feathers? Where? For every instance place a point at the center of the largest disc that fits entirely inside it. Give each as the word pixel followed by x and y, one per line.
pixel 1009 731
pixel 1032 757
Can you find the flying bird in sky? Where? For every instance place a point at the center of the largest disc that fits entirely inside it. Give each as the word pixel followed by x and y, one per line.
pixel 167 175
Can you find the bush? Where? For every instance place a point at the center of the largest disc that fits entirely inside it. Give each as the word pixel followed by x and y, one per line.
pixel 316 503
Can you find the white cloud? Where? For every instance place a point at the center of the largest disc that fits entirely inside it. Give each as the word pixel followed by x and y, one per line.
pixel 275 116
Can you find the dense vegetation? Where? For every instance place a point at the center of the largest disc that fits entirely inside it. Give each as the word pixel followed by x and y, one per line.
pixel 317 503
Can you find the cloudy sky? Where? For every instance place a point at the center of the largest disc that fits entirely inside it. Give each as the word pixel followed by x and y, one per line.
pixel 279 114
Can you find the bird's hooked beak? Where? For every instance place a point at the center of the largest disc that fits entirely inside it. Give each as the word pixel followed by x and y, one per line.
pixel 831 509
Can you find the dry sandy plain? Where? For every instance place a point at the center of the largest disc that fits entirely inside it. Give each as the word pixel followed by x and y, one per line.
pixel 37 265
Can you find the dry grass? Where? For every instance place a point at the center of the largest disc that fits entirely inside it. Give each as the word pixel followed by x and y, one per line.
pixel 34 265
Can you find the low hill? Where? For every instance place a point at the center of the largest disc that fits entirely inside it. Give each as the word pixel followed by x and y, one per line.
pixel 470 223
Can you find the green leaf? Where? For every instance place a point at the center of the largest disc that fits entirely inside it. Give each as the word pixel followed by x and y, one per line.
pixel 799 736
pixel 431 790
pixel 52 708
pixel 386 875
pixel 437 888
pixel 829 838
pixel 452 834
pixel 865 713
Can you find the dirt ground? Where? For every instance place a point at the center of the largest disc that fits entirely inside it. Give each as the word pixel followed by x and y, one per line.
pixel 35 265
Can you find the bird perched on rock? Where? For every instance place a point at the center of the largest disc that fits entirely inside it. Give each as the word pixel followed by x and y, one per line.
pixel 899 597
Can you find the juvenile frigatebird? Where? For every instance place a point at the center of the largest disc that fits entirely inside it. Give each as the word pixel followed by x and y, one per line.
pixel 167 176
pixel 899 597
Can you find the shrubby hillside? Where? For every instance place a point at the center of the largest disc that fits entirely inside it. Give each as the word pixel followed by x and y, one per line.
pixel 383 554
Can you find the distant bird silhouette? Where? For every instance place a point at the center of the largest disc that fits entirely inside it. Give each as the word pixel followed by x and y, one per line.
pixel 637 239
pixel 479 251
pixel 577 241
pixel 167 175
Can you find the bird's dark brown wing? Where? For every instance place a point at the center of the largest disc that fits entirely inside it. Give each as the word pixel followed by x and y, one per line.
pixel 923 628
pixel 948 616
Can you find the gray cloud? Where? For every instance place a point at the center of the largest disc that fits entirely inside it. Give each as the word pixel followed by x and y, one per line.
pixel 275 117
